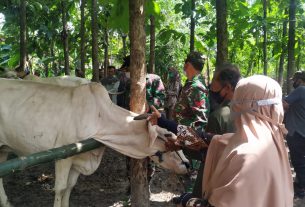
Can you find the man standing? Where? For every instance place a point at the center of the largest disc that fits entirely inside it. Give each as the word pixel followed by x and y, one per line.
pixel 111 83
pixel 192 107
pixel 294 105
pixel 219 122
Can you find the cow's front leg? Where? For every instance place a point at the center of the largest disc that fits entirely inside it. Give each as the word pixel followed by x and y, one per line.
pixel 3 197
pixel 62 170
pixel 73 176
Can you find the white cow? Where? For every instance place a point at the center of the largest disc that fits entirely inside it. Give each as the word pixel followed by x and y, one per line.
pixel 38 116
pixel 68 81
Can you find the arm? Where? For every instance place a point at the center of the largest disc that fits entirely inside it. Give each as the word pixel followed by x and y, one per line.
pixel 294 96
pixel 198 102
pixel 285 105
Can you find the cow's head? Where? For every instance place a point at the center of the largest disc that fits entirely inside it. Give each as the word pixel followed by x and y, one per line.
pixel 175 161
pixel 120 130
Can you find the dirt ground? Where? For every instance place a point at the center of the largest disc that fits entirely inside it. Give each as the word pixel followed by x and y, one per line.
pixel 105 188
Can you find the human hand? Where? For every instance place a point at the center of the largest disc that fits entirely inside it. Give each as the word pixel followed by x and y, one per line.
pixel 172 145
pixel 153 118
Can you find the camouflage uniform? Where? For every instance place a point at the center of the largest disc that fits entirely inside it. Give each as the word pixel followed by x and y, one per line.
pixel 192 110
pixel 155 91
pixel 192 107
pixel 172 91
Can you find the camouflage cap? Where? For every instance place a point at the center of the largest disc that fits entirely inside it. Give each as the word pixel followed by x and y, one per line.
pixel 299 75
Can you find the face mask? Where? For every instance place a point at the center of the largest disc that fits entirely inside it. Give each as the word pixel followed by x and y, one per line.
pixel 296 84
pixel 217 97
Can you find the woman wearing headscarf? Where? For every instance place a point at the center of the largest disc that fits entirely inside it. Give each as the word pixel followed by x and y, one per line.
pixel 250 167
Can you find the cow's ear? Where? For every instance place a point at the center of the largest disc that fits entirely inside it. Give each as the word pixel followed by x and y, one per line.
pixel 153 134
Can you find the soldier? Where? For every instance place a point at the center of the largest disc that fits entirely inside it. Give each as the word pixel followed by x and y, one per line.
pixel 155 91
pixel 192 107
pixel 172 91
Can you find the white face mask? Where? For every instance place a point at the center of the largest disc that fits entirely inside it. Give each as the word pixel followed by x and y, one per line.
pixel 127 74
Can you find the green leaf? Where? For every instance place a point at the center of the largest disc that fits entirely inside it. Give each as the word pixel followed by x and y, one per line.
pixel 14 60
pixel 119 16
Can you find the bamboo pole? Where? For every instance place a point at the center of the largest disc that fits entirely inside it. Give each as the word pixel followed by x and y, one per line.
pixel 21 163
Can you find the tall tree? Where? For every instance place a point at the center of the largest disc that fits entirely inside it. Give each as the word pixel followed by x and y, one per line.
pixel 283 52
pixel 23 41
pixel 221 32
pixel 106 45
pixel 291 43
pixel 151 65
pixel 64 36
pixel 265 37
pixel 299 54
pixel 139 183
pixel 124 36
pixel 82 39
pixel 192 26
pixel 94 33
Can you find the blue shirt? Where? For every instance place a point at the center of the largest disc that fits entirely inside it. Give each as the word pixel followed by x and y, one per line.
pixel 295 116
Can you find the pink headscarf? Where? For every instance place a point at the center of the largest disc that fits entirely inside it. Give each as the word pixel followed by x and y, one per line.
pixel 250 167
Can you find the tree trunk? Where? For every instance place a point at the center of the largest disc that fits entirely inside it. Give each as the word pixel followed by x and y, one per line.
pixel 95 64
pixel 22 35
pixel 299 55
pixel 284 50
pixel 291 44
pixel 139 183
pixel 192 27
pixel 124 36
pixel 265 37
pixel 250 65
pixel 151 66
pixel 106 43
pixel 82 39
pixel 53 56
pixel 221 32
pixel 208 68
pixel 46 71
pixel 65 38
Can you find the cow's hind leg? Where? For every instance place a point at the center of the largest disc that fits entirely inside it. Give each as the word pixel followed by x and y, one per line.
pixel 62 170
pixel 73 176
pixel 3 197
